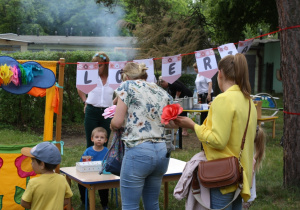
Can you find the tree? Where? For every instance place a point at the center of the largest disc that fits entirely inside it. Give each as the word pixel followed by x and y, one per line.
pixel 172 36
pixel 288 12
pixel 230 18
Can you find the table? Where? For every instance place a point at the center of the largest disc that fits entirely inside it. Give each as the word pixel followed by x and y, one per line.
pixel 180 129
pixel 93 181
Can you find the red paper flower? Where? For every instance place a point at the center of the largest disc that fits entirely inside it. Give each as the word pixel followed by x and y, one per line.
pixel 170 112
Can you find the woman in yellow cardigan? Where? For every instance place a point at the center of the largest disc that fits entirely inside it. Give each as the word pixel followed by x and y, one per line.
pixel 222 131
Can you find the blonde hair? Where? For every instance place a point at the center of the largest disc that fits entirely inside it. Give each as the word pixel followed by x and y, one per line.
pixel 235 68
pixel 260 145
pixel 195 66
pixel 101 57
pixel 134 71
pixel 99 129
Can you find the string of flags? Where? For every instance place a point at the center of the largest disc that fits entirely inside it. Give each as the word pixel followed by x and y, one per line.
pixel 86 79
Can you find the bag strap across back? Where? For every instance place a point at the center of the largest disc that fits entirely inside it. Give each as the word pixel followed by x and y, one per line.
pixel 245 132
pixel 195 181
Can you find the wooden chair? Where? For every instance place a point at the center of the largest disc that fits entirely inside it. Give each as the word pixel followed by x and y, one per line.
pixel 261 118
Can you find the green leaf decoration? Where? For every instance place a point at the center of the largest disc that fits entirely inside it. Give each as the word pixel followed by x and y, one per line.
pixel 18 194
pixel 1 198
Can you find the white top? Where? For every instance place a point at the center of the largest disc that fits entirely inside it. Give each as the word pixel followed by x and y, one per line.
pixel 101 96
pixel 201 83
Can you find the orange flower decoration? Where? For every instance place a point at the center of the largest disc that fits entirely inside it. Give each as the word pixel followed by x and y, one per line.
pixel 170 112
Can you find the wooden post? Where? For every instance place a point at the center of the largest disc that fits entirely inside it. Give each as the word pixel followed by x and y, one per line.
pixel 59 115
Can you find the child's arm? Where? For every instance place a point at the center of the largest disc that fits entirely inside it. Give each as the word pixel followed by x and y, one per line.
pixel 66 201
pixel 25 204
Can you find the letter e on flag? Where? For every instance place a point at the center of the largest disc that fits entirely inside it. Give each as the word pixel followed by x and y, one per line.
pixel 171 68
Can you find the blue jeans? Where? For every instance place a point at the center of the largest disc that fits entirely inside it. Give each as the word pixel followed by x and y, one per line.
pixel 142 170
pixel 218 200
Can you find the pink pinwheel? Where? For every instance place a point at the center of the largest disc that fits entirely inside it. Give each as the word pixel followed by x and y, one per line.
pixel 170 112
pixel 109 112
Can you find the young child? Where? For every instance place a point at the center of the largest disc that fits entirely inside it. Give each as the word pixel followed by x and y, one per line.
pixel 98 151
pixel 259 143
pixel 50 190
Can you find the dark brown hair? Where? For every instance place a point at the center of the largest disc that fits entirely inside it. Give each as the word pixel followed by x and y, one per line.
pixel 48 166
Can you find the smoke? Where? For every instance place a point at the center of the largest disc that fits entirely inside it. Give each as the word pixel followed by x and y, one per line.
pixel 74 17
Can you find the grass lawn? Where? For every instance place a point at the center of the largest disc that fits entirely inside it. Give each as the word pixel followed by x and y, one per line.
pixel 270 191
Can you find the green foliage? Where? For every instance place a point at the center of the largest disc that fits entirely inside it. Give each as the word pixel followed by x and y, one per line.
pixel 230 18
pixel 27 112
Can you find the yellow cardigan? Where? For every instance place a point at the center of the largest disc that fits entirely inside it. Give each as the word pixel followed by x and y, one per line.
pixel 222 131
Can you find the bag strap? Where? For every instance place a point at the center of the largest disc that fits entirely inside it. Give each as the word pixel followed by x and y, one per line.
pixel 245 132
pixel 115 141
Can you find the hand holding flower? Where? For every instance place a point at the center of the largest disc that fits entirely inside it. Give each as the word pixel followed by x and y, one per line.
pixel 170 112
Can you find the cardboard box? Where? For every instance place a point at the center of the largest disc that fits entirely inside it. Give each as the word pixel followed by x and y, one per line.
pixel 89 166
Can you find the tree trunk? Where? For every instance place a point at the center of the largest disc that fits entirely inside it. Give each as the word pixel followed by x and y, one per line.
pixel 288 11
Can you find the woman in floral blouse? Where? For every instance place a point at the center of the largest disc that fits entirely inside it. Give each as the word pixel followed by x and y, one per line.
pixel 146 159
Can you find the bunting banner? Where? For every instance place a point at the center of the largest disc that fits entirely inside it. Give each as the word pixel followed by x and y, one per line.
pixel 114 73
pixel 227 49
pixel 171 68
pixel 87 75
pixel 150 65
pixel 206 62
pixel 244 46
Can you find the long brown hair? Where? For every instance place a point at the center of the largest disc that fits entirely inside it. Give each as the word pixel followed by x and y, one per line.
pixel 260 145
pixel 235 68
pixel 101 57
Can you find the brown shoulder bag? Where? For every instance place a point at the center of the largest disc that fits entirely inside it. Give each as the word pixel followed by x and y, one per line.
pixel 225 171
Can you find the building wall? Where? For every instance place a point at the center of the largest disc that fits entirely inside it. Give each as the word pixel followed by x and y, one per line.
pixel 272 55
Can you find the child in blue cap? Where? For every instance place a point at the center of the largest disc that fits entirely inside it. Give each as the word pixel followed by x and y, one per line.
pixel 50 190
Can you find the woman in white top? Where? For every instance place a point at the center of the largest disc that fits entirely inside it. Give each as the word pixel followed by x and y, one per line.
pixel 204 90
pixel 97 100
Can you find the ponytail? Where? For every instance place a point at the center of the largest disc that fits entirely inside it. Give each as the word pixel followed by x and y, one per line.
pixel 242 74
pixel 235 68
pixel 259 142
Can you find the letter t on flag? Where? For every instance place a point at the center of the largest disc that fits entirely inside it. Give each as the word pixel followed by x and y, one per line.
pixel 171 68
pixel 87 75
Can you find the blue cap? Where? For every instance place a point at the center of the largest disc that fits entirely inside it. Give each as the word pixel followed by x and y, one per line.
pixel 45 151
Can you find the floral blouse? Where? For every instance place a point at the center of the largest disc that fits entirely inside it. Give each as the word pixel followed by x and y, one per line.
pixel 144 102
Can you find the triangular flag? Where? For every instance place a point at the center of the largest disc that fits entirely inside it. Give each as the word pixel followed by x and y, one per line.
pixel 171 68
pixel 87 74
pixel 206 62
pixel 227 49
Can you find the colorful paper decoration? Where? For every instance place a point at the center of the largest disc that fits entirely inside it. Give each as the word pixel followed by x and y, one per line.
pixel 21 78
